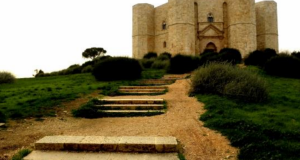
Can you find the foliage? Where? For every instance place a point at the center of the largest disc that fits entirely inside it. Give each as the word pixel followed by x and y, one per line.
pixel 147 63
pixel 230 81
pixel 265 131
pixel 164 56
pixel 6 77
pixel 296 54
pixel 259 58
pixel 208 57
pixel 230 55
pixel 2 117
pixel 21 154
pixel 160 64
pixel 183 63
pixel 118 68
pixel 87 69
pixel 283 65
pixel 73 69
pixel 87 110
pixel 150 55
pixel 93 52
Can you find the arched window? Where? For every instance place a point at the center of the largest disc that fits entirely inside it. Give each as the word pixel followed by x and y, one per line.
pixel 210 18
pixel 164 25
pixel 210 47
pixel 165 44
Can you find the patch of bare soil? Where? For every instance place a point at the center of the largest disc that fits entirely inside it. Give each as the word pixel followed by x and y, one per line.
pixel 180 121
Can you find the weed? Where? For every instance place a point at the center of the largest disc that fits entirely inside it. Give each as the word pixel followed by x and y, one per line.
pixel 21 154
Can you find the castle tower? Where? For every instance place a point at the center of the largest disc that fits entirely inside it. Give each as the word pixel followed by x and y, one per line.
pixel 242 25
pixel 181 26
pixel 267 26
pixel 143 30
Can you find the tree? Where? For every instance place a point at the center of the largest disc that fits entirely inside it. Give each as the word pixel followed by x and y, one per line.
pixel 93 53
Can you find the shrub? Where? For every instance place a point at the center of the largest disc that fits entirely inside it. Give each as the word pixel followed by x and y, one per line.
pixel 150 55
pixel 21 154
pixel 207 57
pixel 118 68
pixel 259 58
pixel 296 54
pixel 73 69
pixel 230 55
pixel 87 69
pixel 6 77
pixel 283 65
pixel 182 64
pixel 225 79
pixel 87 110
pixel 147 63
pixel 2 117
pixel 164 56
pixel 160 64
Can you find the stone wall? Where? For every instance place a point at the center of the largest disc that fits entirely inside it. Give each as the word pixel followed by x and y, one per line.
pixel 161 35
pixel 267 25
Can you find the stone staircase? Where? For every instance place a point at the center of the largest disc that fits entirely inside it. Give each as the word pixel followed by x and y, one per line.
pixel 131 107
pixel 157 82
pixel 105 148
pixel 175 76
pixel 141 90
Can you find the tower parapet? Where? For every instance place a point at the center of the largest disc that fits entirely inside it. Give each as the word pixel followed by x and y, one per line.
pixel 242 25
pixel 267 25
pixel 143 30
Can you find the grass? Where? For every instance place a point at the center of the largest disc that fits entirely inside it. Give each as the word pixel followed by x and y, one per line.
pixel 36 97
pixel 21 154
pixel 269 130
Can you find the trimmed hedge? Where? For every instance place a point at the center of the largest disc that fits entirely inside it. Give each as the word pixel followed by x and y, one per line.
pixel 260 58
pixel 117 68
pixel 182 64
pixel 225 79
pixel 283 65
pixel 150 55
pixel 230 55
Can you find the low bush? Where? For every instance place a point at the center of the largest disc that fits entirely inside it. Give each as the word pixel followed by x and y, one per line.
pixel 6 77
pixel 225 79
pixel 296 54
pixel 87 69
pixel 21 154
pixel 150 55
pixel 87 110
pixel 208 57
pixel 117 68
pixel 183 63
pixel 259 58
pixel 160 64
pixel 284 66
pixel 73 69
pixel 2 117
pixel 147 63
pixel 230 55
pixel 164 56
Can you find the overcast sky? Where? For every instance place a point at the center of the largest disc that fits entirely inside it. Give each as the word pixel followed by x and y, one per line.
pixel 52 34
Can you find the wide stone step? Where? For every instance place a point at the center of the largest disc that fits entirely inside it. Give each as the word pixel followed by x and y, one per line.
pixel 174 76
pixel 56 155
pixel 141 90
pixel 131 101
pixel 108 144
pixel 157 81
pixel 131 106
pixel 143 87
pixel 133 111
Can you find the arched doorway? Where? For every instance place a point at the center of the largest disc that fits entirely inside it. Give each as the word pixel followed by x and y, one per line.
pixel 210 47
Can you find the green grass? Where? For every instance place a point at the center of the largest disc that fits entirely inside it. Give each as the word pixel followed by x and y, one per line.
pixel 36 97
pixel 269 130
pixel 21 154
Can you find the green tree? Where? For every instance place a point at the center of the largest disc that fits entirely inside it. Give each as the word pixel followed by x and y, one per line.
pixel 93 52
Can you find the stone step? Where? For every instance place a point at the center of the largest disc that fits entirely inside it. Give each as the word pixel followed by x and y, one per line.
pixel 143 87
pixel 56 155
pixel 134 111
pixel 108 144
pixel 175 76
pixel 132 101
pixel 141 90
pixel 131 106
pixel 157 81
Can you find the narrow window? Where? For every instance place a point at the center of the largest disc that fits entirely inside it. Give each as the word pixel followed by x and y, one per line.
pixel 164 25
pixel 210 18
pixel 165 44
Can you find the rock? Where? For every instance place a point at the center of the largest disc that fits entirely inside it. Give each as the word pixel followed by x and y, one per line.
pixel 2 124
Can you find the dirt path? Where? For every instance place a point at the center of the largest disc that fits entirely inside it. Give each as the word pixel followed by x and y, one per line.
pixel 181 121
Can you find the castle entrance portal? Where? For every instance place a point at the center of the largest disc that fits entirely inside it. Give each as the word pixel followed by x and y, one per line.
pixel 210 47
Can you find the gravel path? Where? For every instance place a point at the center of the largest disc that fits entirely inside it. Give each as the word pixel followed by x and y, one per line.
pixel 180 121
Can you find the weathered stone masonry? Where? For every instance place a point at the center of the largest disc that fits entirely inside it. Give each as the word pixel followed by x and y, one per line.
pixel 193 26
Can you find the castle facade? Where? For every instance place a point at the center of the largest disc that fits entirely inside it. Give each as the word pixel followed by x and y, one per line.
pixel 193 26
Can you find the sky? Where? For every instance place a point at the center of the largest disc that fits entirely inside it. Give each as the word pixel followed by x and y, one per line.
pixel 52 34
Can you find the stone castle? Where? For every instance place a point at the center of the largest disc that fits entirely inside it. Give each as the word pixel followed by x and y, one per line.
pixel 194 26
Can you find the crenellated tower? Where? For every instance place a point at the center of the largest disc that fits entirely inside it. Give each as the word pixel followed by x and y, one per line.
pixel 267 25
pixel 143 30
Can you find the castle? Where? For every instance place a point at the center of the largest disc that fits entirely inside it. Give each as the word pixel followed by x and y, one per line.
pixel 194 26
